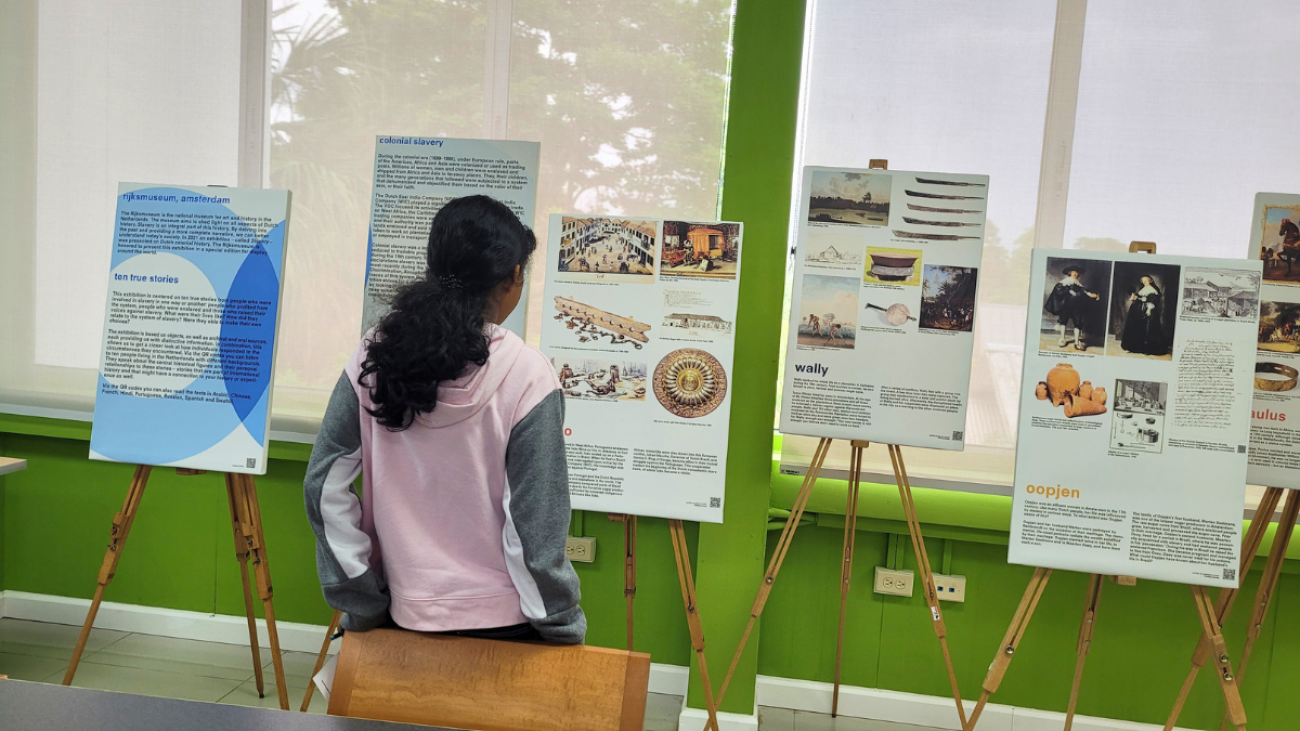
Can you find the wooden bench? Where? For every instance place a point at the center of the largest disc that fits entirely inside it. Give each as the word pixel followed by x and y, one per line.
pixel 488 685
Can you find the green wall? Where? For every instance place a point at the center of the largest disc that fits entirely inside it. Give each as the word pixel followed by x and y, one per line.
pixel 180 553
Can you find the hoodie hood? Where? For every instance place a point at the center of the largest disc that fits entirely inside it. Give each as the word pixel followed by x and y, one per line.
pixel 462 398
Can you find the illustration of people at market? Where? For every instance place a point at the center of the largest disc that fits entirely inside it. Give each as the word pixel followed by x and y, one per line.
pixel 1071 302
pixel 1142 330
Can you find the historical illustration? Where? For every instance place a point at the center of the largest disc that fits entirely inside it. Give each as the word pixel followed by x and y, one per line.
pixel 698 324
pixel 1220 294
pixel 1075 295
pixel 1139 419
pixel 828 309
pixel 1143 310
pixel 607 249
pixel 601 380
pixel 948 298
pixel 1279 245
pixel 1064 387
pixel 690 383
pixel 860 199
pixel 591 324
pixel 705 250
pixel 893 266
pixel 1279 327
pixel 827 250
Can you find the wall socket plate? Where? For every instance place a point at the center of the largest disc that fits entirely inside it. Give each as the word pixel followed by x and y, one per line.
pixel 580 549
pixel 893 581
pixel 950 588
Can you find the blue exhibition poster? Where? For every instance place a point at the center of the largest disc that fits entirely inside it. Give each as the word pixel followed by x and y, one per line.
pixel 185 374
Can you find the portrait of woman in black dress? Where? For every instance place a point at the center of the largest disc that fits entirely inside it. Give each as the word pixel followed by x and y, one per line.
pixel 1143 332
pixel 1144 309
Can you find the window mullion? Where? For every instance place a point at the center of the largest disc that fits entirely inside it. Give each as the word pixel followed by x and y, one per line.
pixel 254 94
pixel 1058 130
pixel 496 68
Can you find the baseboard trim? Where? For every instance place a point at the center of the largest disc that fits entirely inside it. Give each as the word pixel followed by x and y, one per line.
pixel 921 710
pixel 694 719
pixel 227 629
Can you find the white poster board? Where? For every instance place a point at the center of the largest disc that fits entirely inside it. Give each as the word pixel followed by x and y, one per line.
pixel 414 179
pixel 639 326
pixel 882 313
pixel 1275 422
pixel 1132 445
pixel 188 351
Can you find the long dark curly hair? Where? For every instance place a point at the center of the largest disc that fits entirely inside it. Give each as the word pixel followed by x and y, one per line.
pixel 437 324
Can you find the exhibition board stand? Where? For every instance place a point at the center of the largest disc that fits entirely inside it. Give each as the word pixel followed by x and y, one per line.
pixel 250 545
pixel 850 527
pixel 186 368
pixel 1210 614
pixel 1263 595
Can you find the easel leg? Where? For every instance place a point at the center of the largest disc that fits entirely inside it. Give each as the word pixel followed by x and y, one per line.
pixel 1086 626
pixel 241 554
pixel 1267 584
pixel 320 659
pixel 778 556
pixel 927 577
pixel 116 543
pixel 629 570
pixel 1219 651
pixel 1011 641
pixel 1223 605
pixel 846 569
pixel 251 519
pixel 687 581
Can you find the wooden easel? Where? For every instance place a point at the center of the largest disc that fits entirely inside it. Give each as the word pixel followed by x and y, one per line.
pixel 1211 630
pixel 850 526
pixel 246 522
pixel 686 579
pixel 1263 596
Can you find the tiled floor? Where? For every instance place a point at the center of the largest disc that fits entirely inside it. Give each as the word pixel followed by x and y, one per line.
pixel 219 673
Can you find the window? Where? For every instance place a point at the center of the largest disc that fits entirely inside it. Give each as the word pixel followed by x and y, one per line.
pixel 628 100
pixel 1098 122
pixel 956 87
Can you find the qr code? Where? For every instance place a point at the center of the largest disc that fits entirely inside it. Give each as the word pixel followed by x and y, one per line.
pixel 1229 574
pixel 251 463
pixel 958 435
pixel 1241 449
pixel 715 502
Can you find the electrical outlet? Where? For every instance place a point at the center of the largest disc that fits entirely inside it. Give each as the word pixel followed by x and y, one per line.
pixel 893 582
pixel 950 588
pixel 580 549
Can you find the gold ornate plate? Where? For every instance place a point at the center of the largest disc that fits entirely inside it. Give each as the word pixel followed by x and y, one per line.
pixel 690 383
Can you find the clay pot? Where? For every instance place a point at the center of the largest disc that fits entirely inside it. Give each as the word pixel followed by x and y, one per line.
pixel 1082 407
pixel 1099 395
pixel 1061 381
pixel 1085 389
pixel 1041 391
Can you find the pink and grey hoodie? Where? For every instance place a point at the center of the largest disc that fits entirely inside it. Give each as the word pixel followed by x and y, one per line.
pixel 462 518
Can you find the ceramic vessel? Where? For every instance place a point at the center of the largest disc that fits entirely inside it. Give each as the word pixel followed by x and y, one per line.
pixel 1061 381
pixel 1099 395
pixel 1041 391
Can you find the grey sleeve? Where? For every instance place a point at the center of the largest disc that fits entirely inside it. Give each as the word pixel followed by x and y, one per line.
pixel 343 549
pixel 537 523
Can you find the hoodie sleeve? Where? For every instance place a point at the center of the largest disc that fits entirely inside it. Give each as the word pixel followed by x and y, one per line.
pixel 343 549
pixel 537 523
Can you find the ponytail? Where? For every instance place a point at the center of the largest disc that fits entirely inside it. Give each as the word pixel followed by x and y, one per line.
pixel 437 327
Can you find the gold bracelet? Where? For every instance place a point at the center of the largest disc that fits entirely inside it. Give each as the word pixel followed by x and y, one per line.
pixel 1272 384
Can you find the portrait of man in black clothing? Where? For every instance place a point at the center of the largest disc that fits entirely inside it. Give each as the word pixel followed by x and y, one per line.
pixel 1075 296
